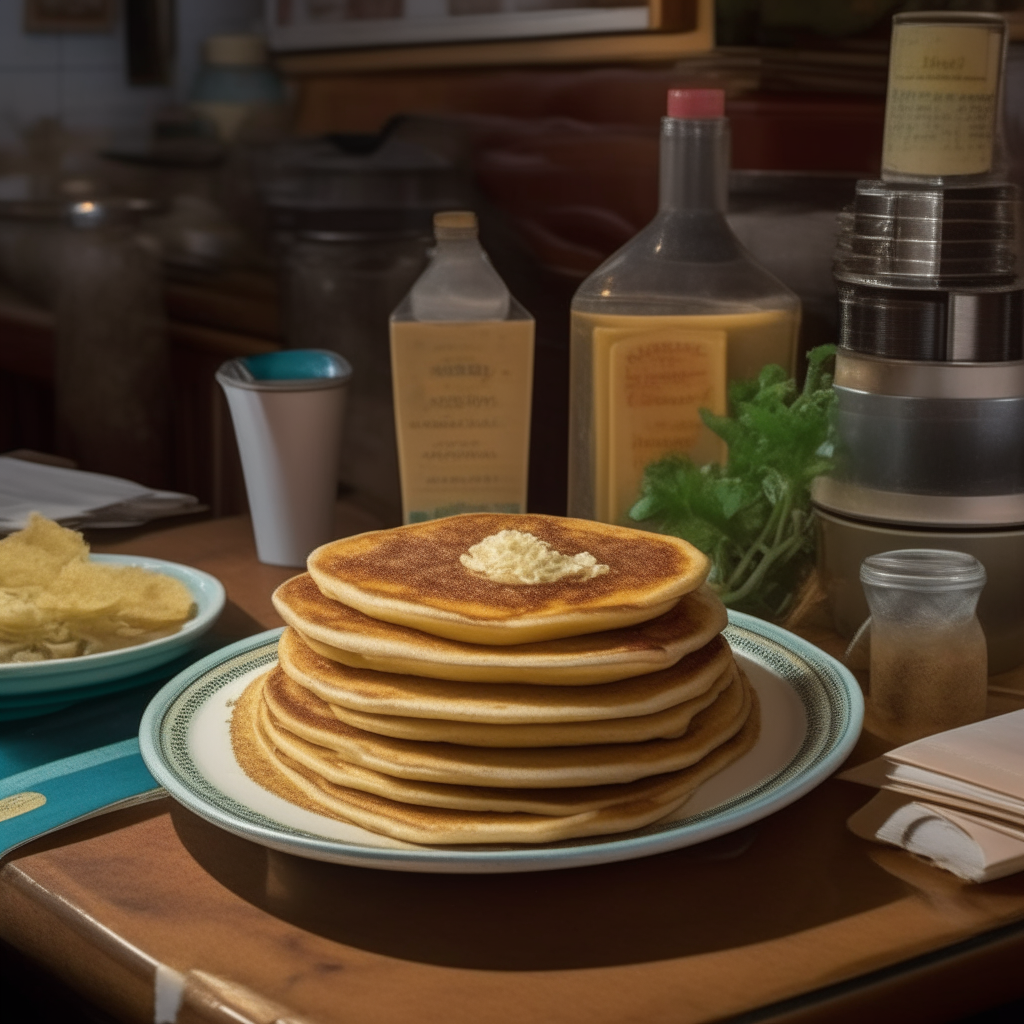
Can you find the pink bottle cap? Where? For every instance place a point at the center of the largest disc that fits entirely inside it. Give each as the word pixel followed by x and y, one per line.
pixel 696 103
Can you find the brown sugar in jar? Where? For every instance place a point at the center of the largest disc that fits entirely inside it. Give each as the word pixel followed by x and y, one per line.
pixel 929 662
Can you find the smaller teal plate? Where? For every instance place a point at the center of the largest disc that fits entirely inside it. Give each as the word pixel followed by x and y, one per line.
pixel 811 715
pixel 48 685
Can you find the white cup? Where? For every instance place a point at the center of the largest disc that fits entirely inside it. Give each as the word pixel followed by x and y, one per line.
pixel 287 410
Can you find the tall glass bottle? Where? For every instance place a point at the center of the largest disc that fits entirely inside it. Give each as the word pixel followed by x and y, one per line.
pixel 462 373
pixel 663 324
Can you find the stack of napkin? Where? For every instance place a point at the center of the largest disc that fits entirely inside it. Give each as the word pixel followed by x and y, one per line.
pixel 78 499
pixel 956 798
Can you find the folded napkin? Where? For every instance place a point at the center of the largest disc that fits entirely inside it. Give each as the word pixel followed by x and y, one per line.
pixel 75 498
pixel 956 798
pixel 970 847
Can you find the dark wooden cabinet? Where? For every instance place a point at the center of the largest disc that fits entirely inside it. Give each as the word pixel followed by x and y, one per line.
pixel 208 322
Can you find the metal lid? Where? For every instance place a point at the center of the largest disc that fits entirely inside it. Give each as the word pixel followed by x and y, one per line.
pixel 965 324
pixel 917 236
pixel 915 378
pixel 925 229
pixel 985 202
pixel 934 510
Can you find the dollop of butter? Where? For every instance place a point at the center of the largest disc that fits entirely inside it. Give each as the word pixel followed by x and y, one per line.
pixel 512 556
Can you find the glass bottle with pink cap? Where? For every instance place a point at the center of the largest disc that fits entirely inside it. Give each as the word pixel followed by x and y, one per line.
pixel 662 326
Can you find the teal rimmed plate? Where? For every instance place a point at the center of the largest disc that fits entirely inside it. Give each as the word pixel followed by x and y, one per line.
pixel 39 687
pixel 811 710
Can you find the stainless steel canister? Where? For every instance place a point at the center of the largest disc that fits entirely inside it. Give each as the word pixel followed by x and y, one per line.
pixel 933 433
pixel 930 273
pixel 929 383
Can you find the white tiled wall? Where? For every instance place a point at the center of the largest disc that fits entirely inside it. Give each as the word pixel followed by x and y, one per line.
pixel 81 78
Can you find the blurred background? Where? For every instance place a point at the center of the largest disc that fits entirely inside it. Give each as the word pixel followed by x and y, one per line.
pixel 184 181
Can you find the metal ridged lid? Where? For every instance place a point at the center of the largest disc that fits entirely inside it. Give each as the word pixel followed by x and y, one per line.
pixel 915 236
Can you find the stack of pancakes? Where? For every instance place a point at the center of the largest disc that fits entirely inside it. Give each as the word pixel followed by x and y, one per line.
pixel 425 701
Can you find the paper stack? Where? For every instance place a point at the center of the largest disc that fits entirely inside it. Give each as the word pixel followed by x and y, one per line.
pixel 78 499
pixel 956 798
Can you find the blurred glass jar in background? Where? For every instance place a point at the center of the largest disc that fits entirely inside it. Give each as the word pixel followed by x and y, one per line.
pixel 112 376
pixel 340 289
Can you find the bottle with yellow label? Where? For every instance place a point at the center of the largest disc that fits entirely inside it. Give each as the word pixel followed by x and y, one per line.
pixel 662 326
pixel 462 373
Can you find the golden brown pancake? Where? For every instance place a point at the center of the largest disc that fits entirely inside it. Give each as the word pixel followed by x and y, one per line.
pixel 248 746
pixel 668 724
pixel 345 635
pixel 387 693
pixel 327 764
pixel 303 713
pixel 412 576
pixel 361 803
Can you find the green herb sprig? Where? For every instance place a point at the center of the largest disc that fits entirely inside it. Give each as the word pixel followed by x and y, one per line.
pixel 752 516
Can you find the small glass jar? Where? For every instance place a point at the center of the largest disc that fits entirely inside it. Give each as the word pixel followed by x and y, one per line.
pixel 929 662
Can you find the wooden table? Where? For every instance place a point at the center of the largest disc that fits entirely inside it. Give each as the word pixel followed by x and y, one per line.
pixel 154 914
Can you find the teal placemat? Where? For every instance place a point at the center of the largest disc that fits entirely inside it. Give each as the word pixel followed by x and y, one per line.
pixel 50 796
pixel 82 760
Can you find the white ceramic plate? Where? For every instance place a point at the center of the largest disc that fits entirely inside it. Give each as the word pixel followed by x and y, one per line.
pixel 811 715
pixel 65 680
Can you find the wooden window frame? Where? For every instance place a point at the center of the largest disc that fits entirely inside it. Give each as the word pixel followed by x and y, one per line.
pixel 676 28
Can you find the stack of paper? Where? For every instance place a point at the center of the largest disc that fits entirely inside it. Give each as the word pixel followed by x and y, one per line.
pixel 956 798
pixel 76 498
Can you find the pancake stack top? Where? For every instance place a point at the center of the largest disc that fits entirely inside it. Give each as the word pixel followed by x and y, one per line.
pixel 497 679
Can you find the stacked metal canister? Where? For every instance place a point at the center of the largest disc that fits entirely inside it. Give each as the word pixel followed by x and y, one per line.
pixel 930 391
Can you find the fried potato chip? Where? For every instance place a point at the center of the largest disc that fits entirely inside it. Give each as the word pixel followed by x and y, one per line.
pixel 55 603
pixel 151 600
pixel 18 614
pixel 33 557
pixel 81 589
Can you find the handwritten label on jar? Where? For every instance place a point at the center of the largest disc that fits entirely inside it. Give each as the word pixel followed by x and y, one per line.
pixel 941 105
pixel 462 412
pixel 658 382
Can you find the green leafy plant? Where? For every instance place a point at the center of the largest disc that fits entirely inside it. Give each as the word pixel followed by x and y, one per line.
pixel 753 515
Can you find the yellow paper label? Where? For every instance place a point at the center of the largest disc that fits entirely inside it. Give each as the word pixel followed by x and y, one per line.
pixel 20 803
pixel 941 105
pixel 658 380
pixel 752 341
pixel 462 412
